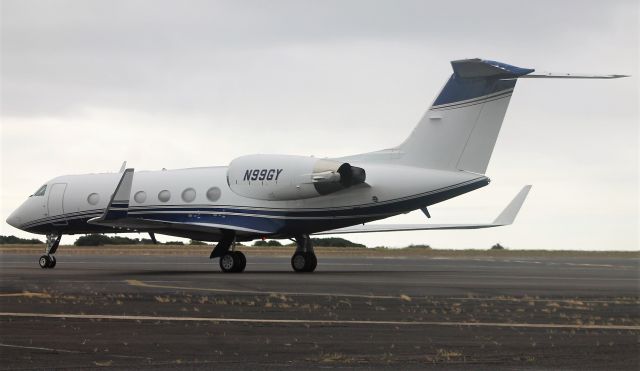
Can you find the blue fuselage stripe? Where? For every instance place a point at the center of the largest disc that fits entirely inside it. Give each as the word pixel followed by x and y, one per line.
pixel 282 222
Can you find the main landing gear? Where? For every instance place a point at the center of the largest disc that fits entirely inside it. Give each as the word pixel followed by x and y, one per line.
pixel 48 260
pixel 231 261
pixel 304 259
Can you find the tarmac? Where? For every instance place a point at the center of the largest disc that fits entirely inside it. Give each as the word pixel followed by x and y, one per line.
pixel 394 312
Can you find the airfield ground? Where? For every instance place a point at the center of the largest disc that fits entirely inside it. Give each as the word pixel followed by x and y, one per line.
pixel 170 307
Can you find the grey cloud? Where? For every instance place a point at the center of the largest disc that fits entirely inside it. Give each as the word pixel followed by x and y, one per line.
pixel 61 56
pixel 87 84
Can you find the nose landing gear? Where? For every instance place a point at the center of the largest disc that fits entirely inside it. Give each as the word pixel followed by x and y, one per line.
pixel 49 260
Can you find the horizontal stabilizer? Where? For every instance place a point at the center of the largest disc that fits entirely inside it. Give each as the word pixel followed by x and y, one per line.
pixel 550 75
pixel 482 68
pixel 506 217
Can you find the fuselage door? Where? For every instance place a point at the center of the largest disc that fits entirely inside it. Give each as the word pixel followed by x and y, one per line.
pixel 55 202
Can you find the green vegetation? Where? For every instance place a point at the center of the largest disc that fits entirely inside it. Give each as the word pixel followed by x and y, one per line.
pixel 420 246
pixel 101 239
pixel 497 247
pixel 319 242
pixel 335 242
pixel 13 240
pixel 263 243
pixel 198 243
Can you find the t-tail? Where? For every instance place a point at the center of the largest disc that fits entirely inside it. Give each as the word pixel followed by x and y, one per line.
pixel 460 129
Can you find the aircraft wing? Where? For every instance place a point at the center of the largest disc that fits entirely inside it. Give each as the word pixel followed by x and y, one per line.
pixel 116 215
pixel 506 217
pixel 135 223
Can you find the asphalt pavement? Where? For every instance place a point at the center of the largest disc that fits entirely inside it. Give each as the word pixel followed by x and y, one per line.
pixel 181 312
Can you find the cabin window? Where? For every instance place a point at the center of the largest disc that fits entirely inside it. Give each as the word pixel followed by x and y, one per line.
pixel 213 194
pixel 188 195
pixel 164 195
pixel 40 191
pixel 93 199
pixel 140 197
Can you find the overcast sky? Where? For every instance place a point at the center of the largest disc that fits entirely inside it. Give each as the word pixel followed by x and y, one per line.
pixel 89 84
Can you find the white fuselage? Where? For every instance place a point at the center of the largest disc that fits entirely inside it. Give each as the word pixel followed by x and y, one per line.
pixel 203 195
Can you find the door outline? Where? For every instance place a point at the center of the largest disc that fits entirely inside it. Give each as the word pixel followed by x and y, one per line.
pixel 57 207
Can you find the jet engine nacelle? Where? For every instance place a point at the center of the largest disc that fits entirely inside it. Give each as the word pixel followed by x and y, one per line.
pixel 285 177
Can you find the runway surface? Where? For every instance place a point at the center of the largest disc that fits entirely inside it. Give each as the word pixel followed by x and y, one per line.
pixel 411 313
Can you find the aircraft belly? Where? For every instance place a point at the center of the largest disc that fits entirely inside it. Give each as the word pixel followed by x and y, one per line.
pixel 273 221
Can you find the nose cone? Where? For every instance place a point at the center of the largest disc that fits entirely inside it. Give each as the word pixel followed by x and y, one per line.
pixel 14 219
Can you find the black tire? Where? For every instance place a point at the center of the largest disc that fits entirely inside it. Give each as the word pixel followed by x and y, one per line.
pixel 304 262
pixel 299 262
pixel 228 262
pixel 313 263
pixel 44 261
pixel 53 261
pixel 242 261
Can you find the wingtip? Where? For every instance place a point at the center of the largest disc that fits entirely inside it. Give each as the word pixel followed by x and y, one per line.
pixel 119 203
pixel 508 215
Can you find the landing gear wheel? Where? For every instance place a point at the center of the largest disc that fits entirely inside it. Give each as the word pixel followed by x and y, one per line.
pixel 304 262
pixel 313 263
pixel 43 261
pixel 47 261
pixel 233 262
pixel 242 261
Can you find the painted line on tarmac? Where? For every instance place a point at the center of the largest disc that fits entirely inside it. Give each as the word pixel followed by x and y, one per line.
pixel 566 301
pixel 39 348
pixel 64 350
pixel 318 322
pixel 26 294
pixel 257 292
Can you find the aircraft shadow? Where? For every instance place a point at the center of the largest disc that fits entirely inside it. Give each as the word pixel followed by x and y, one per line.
pixel 151 273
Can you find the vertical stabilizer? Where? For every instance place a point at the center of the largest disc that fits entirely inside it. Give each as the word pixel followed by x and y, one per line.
pixel 460 129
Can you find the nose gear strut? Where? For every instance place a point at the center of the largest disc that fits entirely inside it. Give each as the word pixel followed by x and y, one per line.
pixel 49 260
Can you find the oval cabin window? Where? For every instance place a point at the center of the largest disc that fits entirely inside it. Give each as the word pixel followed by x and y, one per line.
pixel 164 195
pixel 140 197
pixel 188 195
pixel 93 199
pixel 213 194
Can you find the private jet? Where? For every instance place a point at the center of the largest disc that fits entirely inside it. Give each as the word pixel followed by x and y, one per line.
pixel 293 197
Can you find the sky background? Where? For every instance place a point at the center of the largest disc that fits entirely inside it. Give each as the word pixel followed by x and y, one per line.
pixel 86 85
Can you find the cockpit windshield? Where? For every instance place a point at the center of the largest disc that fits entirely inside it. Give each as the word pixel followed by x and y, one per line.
pixel 40 191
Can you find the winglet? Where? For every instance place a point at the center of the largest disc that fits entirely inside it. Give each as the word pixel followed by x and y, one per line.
pixel 119 204
pixel 508 215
